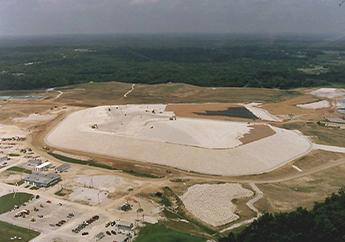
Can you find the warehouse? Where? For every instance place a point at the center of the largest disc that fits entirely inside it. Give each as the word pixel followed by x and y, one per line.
pixel 42 180
pixel 43 167
pixel 62 168
pixel 124 225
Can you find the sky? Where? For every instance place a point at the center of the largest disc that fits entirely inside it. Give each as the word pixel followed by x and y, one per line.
pixel 46 17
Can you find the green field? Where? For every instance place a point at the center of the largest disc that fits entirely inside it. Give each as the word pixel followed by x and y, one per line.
pixel 8 201
pixel 99 165
pixel 19 169
pixel 7 231
pixel 161 233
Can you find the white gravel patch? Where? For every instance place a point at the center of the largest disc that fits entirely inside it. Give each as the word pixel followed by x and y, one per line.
pixel 75 133
pixel 261 113
pixel 142 124
pixel 88 195
pixel 35 117
pixel 107 183
pixel 329 92
pixel 336 149
pixel 212 203
pixel 315 105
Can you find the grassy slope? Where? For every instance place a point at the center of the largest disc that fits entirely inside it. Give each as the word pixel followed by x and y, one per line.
pixel 160 233
pixel 99 165
pixel 8 230
pixel 19 169
pixel 8 201
pixel 320 134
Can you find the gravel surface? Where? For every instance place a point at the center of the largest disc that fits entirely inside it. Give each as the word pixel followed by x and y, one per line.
pixel 212 203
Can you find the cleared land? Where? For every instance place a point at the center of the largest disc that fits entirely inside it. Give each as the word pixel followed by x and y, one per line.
pixel 315 105
pixel 76 133
pixel 258 131
pixel 329 92
pixel 304 191
pixel 35 117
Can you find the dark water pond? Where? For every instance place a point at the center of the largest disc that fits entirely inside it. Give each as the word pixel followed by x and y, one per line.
pixel 237 112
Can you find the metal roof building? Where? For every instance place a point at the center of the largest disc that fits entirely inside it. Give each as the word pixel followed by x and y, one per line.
pixel 34 162
pixel 43 180
pixel 43 166
pixel 125 225
pixel 62 168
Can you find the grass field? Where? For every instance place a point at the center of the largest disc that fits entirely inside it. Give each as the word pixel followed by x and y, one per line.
pixel 161 233
pixel 7 231
pixel 320 134
pixel 19 169
pixel 99 165
pixel 95 94
pixel 8 201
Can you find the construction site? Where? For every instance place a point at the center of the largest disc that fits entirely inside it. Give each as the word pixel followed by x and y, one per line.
pixel 106 166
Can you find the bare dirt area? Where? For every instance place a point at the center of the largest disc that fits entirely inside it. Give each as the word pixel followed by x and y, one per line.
pixel 315 105
pixel 34 118
pixel 317 158
pixel 313 162
pixel 304 191
pixel 257 132
pixel 289 109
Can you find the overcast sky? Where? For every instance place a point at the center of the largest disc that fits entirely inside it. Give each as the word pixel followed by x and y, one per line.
pixel 37 17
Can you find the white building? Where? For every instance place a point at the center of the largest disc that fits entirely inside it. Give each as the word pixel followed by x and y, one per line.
pixel 43 167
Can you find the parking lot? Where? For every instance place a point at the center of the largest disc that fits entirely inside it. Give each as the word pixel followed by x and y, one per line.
pixel 42 215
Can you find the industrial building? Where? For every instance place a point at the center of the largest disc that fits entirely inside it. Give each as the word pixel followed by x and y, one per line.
pixel 43 180
pixel 34 162
pixel 62 168
pixel 43 167
pixel 124 225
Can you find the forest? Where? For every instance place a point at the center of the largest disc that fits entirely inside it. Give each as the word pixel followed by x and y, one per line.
pixel 221 60
pixel 325 222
